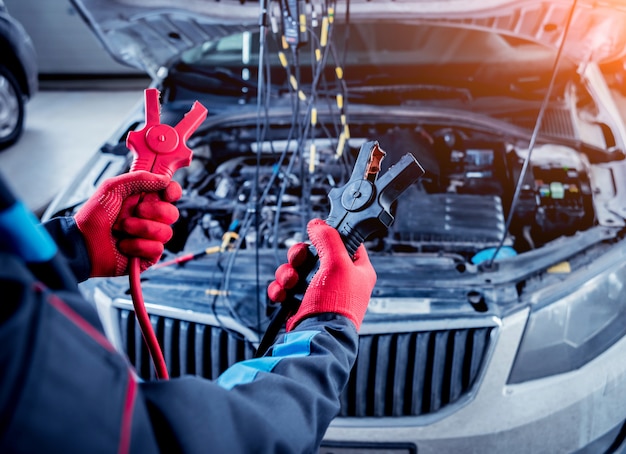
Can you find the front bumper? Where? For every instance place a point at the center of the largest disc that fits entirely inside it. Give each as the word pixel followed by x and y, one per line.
pixel 559 414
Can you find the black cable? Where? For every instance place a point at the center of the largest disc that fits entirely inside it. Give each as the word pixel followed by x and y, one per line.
pixel 263 98
pixel 257 207
pixel 299 151
pixel 346 36
pixel 300 129
pixel 303 131
pixel 535 133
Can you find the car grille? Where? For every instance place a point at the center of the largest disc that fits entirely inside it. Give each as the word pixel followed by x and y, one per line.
pixel 189 348
pixel 411 374
pixel 399 374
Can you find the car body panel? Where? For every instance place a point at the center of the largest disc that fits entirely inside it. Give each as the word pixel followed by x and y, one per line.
pixel 18 77
pixel 21 55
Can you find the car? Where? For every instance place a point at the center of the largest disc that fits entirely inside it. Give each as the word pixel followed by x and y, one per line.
pixel 498 320
pixel 18 76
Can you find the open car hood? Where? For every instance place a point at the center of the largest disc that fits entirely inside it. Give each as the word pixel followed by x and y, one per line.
pixel 151 34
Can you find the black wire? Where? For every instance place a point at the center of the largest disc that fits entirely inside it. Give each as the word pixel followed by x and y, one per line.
pixel 252 216
pixel 533 138
pixel 263 99
pixel 260 88
pixel 346 36
pixel 303 134
pixel 300 130
pixel 300 148
pixel 344 91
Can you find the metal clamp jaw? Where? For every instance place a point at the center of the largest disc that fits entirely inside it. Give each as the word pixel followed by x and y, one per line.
pixel 359 209
pixel 362 207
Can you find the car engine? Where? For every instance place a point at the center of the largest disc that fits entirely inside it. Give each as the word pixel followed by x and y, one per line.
pixel 461 206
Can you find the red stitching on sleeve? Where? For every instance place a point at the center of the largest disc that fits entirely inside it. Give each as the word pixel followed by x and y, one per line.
pixel 127 415
pixel 79 321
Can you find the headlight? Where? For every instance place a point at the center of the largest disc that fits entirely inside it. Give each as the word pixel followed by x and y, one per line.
pixel 566 334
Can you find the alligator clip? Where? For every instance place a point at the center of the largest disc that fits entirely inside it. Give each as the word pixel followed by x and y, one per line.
pixel 362 207
pixel 160 148
pixel 359 209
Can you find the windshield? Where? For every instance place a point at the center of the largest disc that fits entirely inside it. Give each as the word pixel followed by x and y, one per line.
pixel 415 60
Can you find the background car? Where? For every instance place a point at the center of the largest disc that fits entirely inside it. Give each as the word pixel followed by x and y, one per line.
pixel 18 76
pixel 498 322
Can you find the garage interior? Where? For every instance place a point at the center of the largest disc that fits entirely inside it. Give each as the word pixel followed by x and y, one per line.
pixel 83 95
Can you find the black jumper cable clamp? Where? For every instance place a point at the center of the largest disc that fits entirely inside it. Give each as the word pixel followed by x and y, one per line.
pixel 358 210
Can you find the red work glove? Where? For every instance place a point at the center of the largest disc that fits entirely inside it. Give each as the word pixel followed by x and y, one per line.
pixel 115 227
pixel 341 286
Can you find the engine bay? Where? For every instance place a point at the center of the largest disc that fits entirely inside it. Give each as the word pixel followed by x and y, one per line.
pixel 461 206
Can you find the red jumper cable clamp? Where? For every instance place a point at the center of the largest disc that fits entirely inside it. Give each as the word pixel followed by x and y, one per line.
pixel 161 149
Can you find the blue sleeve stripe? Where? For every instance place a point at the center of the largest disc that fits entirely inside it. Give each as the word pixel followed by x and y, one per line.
pixel 294 344
pixel 22 233
pixel 246 371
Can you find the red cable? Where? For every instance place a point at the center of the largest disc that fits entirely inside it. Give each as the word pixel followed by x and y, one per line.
pixel 162 149
pixel 144 320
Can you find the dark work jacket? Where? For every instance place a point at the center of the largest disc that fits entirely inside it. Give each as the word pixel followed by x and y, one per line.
pixel 64 388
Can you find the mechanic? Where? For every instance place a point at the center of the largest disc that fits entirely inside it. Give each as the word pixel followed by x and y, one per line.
pixel 63 387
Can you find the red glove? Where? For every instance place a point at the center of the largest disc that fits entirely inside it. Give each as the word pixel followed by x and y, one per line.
pixel 116 227
pixel 341 286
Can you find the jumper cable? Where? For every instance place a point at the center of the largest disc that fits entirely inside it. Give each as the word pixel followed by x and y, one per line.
pixel 161 149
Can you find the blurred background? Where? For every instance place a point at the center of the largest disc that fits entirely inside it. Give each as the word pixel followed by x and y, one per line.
pixel 83 95
pixel 65 46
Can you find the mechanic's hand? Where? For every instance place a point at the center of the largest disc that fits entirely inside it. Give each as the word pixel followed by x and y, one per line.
pixel 116 227
pixel 341 286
